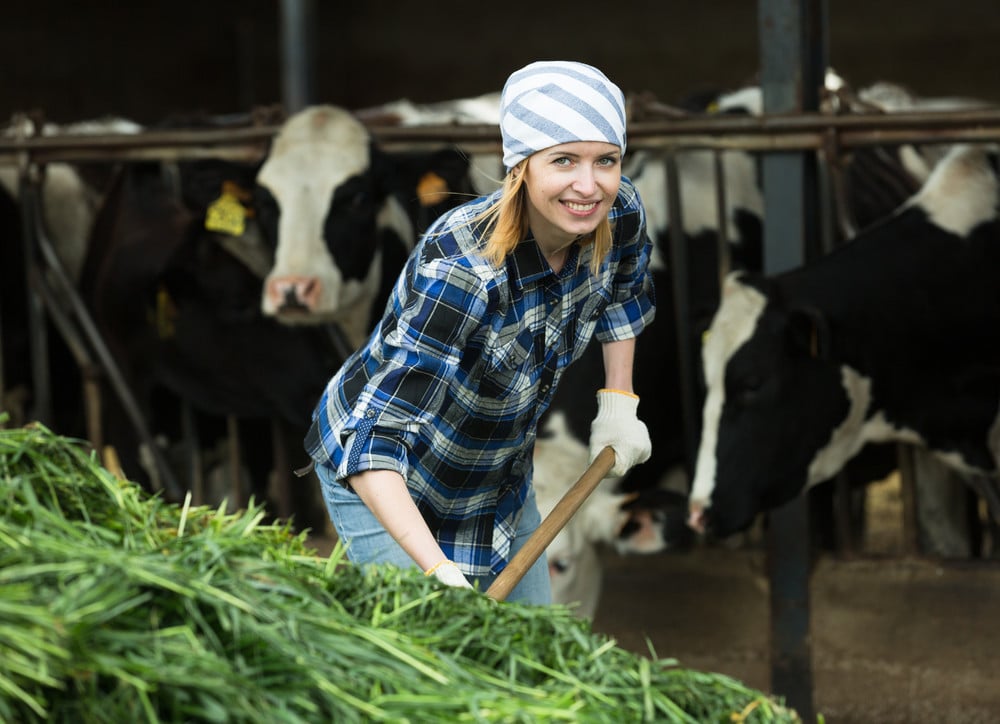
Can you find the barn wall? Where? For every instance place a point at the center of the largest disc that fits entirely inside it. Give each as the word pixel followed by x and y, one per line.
pixel 147 60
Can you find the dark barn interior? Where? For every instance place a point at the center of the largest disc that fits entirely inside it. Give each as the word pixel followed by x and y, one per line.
pixel 894 638
pixel 148 60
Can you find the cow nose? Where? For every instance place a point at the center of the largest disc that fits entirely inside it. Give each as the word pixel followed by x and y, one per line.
pixel 294 292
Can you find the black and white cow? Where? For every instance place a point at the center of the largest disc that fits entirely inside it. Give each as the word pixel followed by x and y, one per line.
pixel 217 284
pixel 892 337
pixel 876 182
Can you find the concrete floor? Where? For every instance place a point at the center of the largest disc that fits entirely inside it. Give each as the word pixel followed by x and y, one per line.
pixel 893 639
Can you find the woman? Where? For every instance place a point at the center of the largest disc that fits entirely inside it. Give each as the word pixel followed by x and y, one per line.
pixel 423 439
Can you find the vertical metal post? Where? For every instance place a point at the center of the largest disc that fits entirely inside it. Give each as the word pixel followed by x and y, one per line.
pixel 298 23
pixel 793 52
pixel 682 308
pixel 41 388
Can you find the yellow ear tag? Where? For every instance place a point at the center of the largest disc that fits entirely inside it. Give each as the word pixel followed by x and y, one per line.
pixel 226 214
pixel 166 313
pixel 431 189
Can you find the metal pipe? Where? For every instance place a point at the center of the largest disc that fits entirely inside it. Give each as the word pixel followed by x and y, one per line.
pixel 111 369
pixel 298 20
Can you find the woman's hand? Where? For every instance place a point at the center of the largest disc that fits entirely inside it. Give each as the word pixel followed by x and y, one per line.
pixel 618 426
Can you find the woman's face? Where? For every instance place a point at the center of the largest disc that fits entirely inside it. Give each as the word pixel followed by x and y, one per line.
pixel 570 189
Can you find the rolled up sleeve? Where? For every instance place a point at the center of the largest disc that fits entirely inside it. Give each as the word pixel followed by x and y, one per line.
pixel 419 353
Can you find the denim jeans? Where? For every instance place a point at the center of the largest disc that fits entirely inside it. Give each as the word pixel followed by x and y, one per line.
pixel 368 542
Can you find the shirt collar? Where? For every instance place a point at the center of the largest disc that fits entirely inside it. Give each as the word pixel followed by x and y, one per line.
pixel 527 265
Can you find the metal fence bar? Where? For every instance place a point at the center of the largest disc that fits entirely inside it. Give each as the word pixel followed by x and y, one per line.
pixel 774 132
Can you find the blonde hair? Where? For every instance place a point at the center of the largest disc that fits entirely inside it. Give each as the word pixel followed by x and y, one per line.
pixel 506 223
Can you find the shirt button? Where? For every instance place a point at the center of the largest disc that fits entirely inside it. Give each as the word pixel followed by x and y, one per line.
pixel 544 388
pixel 370 414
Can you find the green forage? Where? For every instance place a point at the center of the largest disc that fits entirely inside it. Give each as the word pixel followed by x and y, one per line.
pixel 118 606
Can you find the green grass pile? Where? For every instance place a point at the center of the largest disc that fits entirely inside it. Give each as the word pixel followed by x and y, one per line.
pixel 117 606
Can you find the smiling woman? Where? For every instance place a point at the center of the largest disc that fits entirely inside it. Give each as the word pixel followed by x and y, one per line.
pixel 423 439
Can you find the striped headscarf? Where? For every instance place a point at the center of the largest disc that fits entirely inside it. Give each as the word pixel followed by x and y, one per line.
pixel 552 102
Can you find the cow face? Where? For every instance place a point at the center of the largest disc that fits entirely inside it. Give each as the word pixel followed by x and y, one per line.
pixel 767 371
pixel 320 202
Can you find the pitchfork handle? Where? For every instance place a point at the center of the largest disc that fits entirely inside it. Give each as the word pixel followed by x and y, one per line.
pixel 554 522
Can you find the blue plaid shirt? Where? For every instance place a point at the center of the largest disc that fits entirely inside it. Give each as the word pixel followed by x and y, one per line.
pixel 450 385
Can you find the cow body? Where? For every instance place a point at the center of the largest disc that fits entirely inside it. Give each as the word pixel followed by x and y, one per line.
pixel 891 337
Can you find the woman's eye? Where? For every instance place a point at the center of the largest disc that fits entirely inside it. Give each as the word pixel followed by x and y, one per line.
pixel 608 162
pixel 562 161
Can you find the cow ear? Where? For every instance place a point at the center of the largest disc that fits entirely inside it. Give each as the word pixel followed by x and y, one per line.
pixel 808 333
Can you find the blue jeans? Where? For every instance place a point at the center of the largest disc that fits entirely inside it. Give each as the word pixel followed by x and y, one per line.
pixel 368 542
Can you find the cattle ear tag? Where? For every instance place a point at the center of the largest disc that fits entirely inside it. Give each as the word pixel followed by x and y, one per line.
pixel 166 314
pixel 227 214
pixel 431 189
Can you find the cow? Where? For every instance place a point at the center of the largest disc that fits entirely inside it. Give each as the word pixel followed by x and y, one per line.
pixel 875 182
pixel 891 337
pixel 224 287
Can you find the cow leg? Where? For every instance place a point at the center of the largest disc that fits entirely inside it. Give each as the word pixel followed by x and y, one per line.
pixel 941 508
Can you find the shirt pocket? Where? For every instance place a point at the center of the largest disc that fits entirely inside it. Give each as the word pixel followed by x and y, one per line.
pixel 508 366
pixel 590 312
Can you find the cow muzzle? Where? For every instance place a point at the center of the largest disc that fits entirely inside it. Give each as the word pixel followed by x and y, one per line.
pixel 301 293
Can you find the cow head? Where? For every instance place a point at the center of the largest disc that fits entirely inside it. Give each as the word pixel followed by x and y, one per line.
pixel 320 199
pixel 769 371
pixel 343 215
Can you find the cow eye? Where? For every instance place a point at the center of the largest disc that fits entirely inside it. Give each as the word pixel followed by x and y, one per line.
pixel 747 390
pixel 352 194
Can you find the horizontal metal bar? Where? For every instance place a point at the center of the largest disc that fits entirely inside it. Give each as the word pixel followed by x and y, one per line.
pixel 796 132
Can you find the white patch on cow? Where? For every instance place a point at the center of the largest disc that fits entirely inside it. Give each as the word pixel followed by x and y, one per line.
pixel 734 324
pixel 393 216
pixel 749 99
pixel 848 437
pixel 484 109
pixel 696 172
pixel 314 152
pixel 69 206
pixel 486 170
pixel 559 461
pixel 961 192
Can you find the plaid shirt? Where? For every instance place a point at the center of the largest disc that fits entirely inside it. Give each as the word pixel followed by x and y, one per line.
pixel 450 385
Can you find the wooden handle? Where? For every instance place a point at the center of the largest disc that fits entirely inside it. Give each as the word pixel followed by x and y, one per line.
pixel 550 527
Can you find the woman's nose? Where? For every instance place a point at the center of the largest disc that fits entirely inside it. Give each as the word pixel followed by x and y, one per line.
pixel 584 181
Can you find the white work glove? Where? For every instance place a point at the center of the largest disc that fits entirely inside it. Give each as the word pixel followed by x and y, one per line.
pixel 449 574
pixel 616 425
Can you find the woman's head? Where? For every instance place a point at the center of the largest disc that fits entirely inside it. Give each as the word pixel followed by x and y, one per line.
pixel 563 129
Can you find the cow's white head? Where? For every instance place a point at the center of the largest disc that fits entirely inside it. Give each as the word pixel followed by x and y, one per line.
pixel 323 211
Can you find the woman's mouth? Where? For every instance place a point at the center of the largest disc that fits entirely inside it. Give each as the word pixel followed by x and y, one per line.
pixel 578 207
